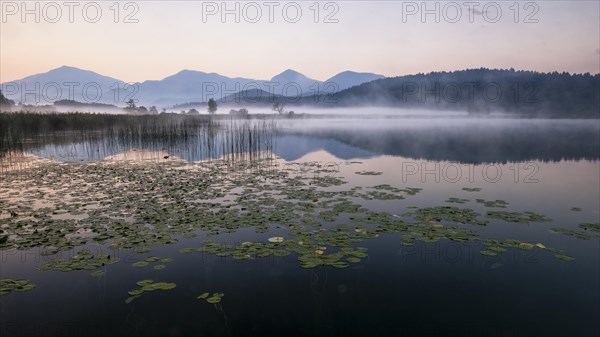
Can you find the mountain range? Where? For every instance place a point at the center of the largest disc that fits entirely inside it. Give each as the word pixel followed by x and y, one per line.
pixel 477 91
pixel 185 86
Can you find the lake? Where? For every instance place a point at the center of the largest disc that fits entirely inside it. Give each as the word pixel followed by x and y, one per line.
pixel 320 226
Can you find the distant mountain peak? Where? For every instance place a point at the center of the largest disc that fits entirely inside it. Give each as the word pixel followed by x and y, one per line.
pixel 350 72
pixel 289 74
pixel 187 72
pixel 347 79
pixel 290 71
pixel 66 67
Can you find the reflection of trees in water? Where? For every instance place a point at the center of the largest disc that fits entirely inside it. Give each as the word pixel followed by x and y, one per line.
pixel 183 137
pixel 200 138
pixel 487 144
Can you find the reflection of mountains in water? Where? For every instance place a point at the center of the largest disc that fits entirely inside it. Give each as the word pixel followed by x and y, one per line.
pixel 462 144
pixel 454 140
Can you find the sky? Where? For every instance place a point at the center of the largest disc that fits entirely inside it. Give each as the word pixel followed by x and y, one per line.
pixel 150 40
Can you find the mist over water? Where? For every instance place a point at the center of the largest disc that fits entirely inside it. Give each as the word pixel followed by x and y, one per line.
pixel 354 133
pixel 461 138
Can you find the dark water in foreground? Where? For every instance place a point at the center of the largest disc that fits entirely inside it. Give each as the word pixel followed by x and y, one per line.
pixel 443 288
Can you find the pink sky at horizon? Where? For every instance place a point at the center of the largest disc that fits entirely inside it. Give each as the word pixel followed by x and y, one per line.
pixel 391 40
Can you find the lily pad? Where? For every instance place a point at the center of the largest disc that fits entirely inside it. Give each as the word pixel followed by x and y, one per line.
pixel 98 273
pixel 9 285
pixel 471 189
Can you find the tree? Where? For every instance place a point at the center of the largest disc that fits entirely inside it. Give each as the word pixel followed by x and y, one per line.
pixel 153 110
pixel 5 101
pixel 142 109
pixel 130 105
pixel 212 106
pixel 193 112
pixel 279 107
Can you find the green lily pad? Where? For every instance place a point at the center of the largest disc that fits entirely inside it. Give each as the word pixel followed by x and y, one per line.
pixel 98 273
pixel 457 200
pixel 571 232
pixel 144 282
pixel 148 286
pixel 594 227
pixel 9 285
pixel 135 292
pixel 471 189
pixel 213 300
pixel 563 257
pixel 520 217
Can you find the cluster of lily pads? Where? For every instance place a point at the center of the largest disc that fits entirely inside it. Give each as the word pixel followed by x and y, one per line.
pixel 495 247
pixel 314 248
pixel 493 203
pixel 521 217
pixel 9 285
pixel 369 173
pixel 148 286
pixel 137 206
pixel 593 227
pixel 457 200
pixel 153 259
pixel 84 260
pixel 471 189
pixel 213 299
pixel 448 213
pixel 571 232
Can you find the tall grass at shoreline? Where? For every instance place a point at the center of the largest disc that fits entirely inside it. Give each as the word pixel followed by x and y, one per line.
pixel 21 127
pixel 213 135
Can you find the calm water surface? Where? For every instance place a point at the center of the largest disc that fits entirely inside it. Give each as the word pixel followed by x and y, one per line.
pixel 429 289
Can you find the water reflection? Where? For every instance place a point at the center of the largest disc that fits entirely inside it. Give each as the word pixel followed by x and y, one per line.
pixel 233 140
pixel 421 282
pixel 460 140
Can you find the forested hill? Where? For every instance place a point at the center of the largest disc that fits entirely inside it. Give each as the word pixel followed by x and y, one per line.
pixel 478 91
